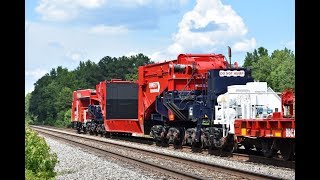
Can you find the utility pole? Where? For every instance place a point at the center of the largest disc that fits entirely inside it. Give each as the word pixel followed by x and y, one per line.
pixel 229 54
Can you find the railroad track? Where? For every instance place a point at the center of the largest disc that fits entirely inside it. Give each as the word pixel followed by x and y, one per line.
pixel 160 162
pixel 263 160
pixel 242 155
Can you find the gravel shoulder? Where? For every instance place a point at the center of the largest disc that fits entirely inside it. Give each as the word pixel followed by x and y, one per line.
pixel 76 163
pixel 83 165
pixel 280 172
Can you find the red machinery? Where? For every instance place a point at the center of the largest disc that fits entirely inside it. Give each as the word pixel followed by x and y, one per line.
pixel 116 97
pixel 112 107
pixel 81 99
pixel 276 132
pixel 177 98
pixel 119 106
pixel 178 102
pixel 173 75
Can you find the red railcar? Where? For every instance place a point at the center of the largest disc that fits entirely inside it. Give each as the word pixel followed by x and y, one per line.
pixel 81 99
pixel 178 102
pixel 119 106
pixel 276 132
pixel 184 74
pixel 125 105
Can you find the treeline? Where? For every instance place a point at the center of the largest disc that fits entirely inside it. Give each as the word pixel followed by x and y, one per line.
pixel 50 102
pixel 277 69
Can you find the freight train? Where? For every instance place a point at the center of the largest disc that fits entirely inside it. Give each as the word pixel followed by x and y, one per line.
pixel 199 100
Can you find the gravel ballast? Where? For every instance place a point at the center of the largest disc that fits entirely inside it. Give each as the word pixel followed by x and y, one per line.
pixel 280 172
pixel 284 173
pixel 75 163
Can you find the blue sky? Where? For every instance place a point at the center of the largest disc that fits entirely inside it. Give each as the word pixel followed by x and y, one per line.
pixel 65 32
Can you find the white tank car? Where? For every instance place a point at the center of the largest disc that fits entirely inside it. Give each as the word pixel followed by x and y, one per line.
pixel 254 100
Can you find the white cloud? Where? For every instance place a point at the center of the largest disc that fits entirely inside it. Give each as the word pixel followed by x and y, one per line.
pixel 63 10
pixel 161 56
pixel 49 45
pixel 136 3
pixel 35 73
pixel 89 3
pixel 245 45
pixel 175 48
pixel 210 24
pixel 61 44
pixel 76 56
pixel 156 56
pixel 131 53
pixel 103 29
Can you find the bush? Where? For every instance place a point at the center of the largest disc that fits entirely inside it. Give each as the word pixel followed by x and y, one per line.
pixel 39 162
pixel 30 175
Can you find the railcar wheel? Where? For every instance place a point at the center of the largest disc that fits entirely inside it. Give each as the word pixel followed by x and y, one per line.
pixel 229 146
pixel 229 149
pixel 178 139
pixel 286 150
pixel 197 147
pixel 177 144
pixel 164 142
pixel 107 134
pixel 79 127
pixel 267 148
pixel 158 143
pixel 103 131
pixel 214 151
pixel 258 149
pixel 248 147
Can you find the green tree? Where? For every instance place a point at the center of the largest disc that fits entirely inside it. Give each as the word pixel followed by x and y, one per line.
pixel 262 52
pixel 278 70
pixel 131 77
pixel 40 98
pixel 28 119
pixel 64 119
pixel 262 68
pixel 133 65
pixel 52 95
pixel 89 74
pixel 64 99
pixel 283 74
pixel 125 68
pixel 254 56
pixel 62 105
